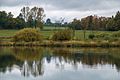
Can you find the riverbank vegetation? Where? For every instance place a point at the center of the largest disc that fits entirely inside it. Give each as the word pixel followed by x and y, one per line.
pixel 30 29
pixel 27 35
pixel 61 39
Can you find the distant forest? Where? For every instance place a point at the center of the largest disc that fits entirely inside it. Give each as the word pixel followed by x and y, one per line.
pixel 34 18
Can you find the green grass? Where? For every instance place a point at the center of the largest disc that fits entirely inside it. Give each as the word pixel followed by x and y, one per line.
pixel 52 28
pixel 47 33
pixel 79 34
pixel 5 33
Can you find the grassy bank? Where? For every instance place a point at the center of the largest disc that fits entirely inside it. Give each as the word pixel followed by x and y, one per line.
pixel 101 40
pixel 48 43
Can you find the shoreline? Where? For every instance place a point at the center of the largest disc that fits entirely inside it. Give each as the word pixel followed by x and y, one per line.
pixel 49 43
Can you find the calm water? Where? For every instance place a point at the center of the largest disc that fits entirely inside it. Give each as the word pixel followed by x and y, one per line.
pixel 59 63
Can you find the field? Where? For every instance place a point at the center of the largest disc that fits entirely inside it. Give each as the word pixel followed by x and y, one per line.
pixel 47 32
pixel 78 40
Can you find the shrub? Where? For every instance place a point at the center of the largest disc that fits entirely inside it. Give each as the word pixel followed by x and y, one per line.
pixel 101 35
pixel 108 36
pixel 104 36
pixel 27 35
pixel 91 36
pixel 116 34
pixel 63 35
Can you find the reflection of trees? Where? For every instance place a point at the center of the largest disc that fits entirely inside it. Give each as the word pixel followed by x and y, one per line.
pixel 32 58
pixel 61 56
pixel 35 69
pixel 90 57
pixel 28 53
pixel 7 61
pixel 29 60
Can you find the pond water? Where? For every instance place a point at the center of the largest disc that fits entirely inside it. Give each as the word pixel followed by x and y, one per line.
pixel 36 63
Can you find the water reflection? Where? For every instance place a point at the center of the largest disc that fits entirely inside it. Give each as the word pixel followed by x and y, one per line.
pixel 31 61
pixel 35 69
pixel 28 60
pixel 89 57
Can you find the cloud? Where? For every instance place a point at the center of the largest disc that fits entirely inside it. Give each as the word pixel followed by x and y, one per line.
pixel 65 8
pixel 66 4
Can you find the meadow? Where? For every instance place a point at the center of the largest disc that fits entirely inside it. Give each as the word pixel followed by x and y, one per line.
pixel 47 32
pixel 77 41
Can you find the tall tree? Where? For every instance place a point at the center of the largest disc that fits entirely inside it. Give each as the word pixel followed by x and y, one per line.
pixel 117 21
pixel 3 19
pixel 84 26
pixel 10 15
pixel 90 22
pixel 25 12
pixel 37 16
pixel 76 24
pixel 110 25
pixel 30 21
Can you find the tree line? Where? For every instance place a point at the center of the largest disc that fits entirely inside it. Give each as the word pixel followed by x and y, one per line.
pixel 90 23
pixel 27 18
pixel 97 23
pixel 33 18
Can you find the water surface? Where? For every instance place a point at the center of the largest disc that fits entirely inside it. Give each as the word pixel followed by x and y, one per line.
pixel 36 63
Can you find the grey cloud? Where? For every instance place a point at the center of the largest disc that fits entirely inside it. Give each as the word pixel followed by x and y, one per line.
pixel 67 4
pixel 84 4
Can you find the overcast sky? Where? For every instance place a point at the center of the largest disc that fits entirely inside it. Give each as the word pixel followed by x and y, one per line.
pixel 65 8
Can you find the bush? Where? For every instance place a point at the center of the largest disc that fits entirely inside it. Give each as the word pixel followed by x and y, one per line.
pixel 63 35
pixel 104 36
pixel 27 35
pixel 116 34
pixel 91 36
pixel 108 36
pixel 101 35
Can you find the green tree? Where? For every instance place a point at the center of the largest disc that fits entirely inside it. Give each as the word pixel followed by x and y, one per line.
pixel 110 25
pixel 3 19
pixel 84 26
pixel 10 15
pixel 48 21
pixel 117 21
pixel 75 25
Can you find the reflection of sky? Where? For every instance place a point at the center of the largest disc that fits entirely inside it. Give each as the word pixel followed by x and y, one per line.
pixel 56 70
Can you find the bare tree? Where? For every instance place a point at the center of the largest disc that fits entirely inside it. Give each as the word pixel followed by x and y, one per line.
pixel 37 15
pixel 25 11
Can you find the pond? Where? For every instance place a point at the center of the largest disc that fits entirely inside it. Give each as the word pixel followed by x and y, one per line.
pixel 36 63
